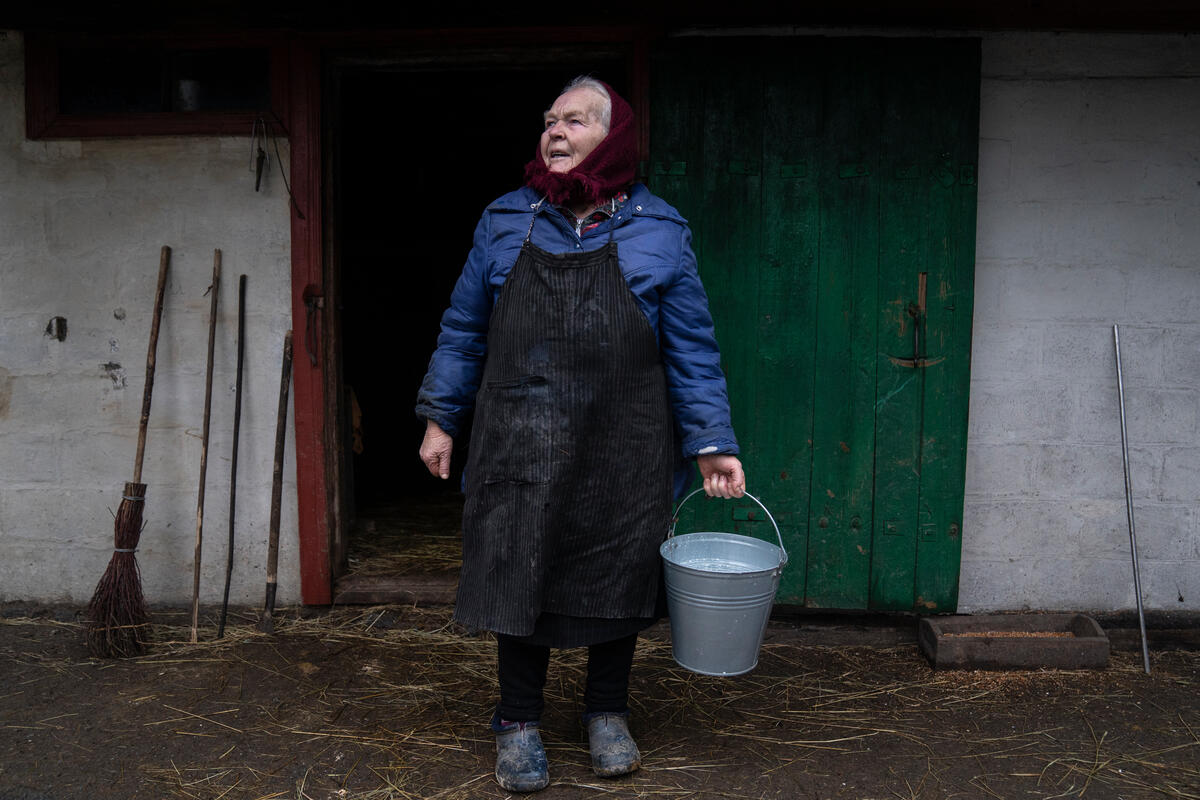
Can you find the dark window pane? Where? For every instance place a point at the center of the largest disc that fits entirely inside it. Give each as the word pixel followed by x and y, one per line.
pixel 221 80
pixel 119 79
pixel 95 80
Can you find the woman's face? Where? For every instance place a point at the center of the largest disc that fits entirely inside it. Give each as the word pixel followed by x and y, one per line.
pixel 573 129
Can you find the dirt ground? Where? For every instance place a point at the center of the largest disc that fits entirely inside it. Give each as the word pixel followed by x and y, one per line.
pixel 392 702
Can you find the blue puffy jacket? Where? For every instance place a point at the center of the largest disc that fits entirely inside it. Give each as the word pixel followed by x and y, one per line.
pixel 654 245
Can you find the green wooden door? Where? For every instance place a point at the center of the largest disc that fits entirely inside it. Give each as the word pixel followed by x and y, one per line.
pixel 830 185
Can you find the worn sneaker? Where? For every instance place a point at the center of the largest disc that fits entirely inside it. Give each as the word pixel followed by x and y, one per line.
pixel 520 757
pixel 613 750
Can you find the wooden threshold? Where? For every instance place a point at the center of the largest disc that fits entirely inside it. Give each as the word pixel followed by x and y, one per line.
pixel 437 589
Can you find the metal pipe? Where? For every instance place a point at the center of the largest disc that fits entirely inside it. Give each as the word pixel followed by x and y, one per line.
pixel 1137 581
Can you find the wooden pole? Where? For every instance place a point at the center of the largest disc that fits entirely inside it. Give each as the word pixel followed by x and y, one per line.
pixel 233 458
pixel 267 623
pixel 208 379
pixel 164 262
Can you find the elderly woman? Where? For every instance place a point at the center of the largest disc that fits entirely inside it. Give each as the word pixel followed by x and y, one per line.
pixel 580 333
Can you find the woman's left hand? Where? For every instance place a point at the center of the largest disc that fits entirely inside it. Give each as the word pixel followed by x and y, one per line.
pixel 723 475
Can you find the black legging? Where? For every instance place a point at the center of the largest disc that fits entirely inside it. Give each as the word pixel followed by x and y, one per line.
pixel 523 676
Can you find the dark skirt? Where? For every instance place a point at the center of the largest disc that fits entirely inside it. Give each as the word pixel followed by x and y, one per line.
pixel 560 630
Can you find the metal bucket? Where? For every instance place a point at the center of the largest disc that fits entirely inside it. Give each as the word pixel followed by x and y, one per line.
pixel 720 588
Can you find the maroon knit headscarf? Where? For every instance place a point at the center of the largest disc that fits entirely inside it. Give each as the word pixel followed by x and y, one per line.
pixel 605 171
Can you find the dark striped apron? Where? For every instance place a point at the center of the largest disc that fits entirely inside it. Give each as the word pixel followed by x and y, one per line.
pixel 569 475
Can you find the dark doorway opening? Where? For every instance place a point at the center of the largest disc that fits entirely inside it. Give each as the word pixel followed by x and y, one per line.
pixel 417 154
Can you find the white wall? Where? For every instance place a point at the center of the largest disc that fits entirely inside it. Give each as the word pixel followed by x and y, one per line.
pixel 81 225
pixel 1089 215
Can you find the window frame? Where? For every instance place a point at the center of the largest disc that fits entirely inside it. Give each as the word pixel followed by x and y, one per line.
pixel 45 120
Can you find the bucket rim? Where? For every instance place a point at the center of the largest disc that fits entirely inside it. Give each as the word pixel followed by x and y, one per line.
pixel 773 569
pixel 675 521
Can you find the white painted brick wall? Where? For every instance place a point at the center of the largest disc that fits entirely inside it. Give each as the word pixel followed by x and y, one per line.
pixel 81 225
pixel 1089 214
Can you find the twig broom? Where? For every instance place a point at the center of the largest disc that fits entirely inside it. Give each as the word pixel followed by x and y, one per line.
pixel 118 623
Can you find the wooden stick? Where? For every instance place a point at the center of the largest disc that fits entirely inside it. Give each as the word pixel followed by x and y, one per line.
pixel 233 458
pixel 164 262
pixel 208 378
pixel 267 623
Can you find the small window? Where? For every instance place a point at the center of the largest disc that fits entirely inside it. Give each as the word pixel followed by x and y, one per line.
pixel 121 88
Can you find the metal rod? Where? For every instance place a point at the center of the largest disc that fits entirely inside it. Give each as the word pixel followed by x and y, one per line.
pixel 1137 580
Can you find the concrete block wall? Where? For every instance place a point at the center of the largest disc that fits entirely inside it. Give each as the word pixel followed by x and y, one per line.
pixel 81 226
pixel 1089 215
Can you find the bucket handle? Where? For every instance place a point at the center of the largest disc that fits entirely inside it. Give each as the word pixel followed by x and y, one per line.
pixel 675 520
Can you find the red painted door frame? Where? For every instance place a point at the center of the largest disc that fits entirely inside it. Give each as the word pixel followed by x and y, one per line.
pixel 315 515
pixel 312 489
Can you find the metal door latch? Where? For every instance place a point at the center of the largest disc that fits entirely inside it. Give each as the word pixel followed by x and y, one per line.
pixel 313 302
pixel 917 312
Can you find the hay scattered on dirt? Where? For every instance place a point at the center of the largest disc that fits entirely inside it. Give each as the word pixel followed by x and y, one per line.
pixel 404 540
pixel 391 702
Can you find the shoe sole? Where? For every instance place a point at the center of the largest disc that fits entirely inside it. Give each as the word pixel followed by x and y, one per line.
pixel 532 786
pixel 616 772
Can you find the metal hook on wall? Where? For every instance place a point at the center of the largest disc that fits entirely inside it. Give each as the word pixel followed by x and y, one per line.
pixel 260 160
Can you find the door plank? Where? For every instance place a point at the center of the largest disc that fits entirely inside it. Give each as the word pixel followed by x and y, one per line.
pixel 781 431
pixel 723 147
pixel 955 96
pixel 929 144
pixel 840 516
pixel 906 167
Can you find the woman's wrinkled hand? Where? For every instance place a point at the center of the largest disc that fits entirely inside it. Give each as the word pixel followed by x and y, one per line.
pixel 723 475
pixel 435 450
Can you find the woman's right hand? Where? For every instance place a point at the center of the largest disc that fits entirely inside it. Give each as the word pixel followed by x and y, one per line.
pixel 435 450
pixel 723 475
